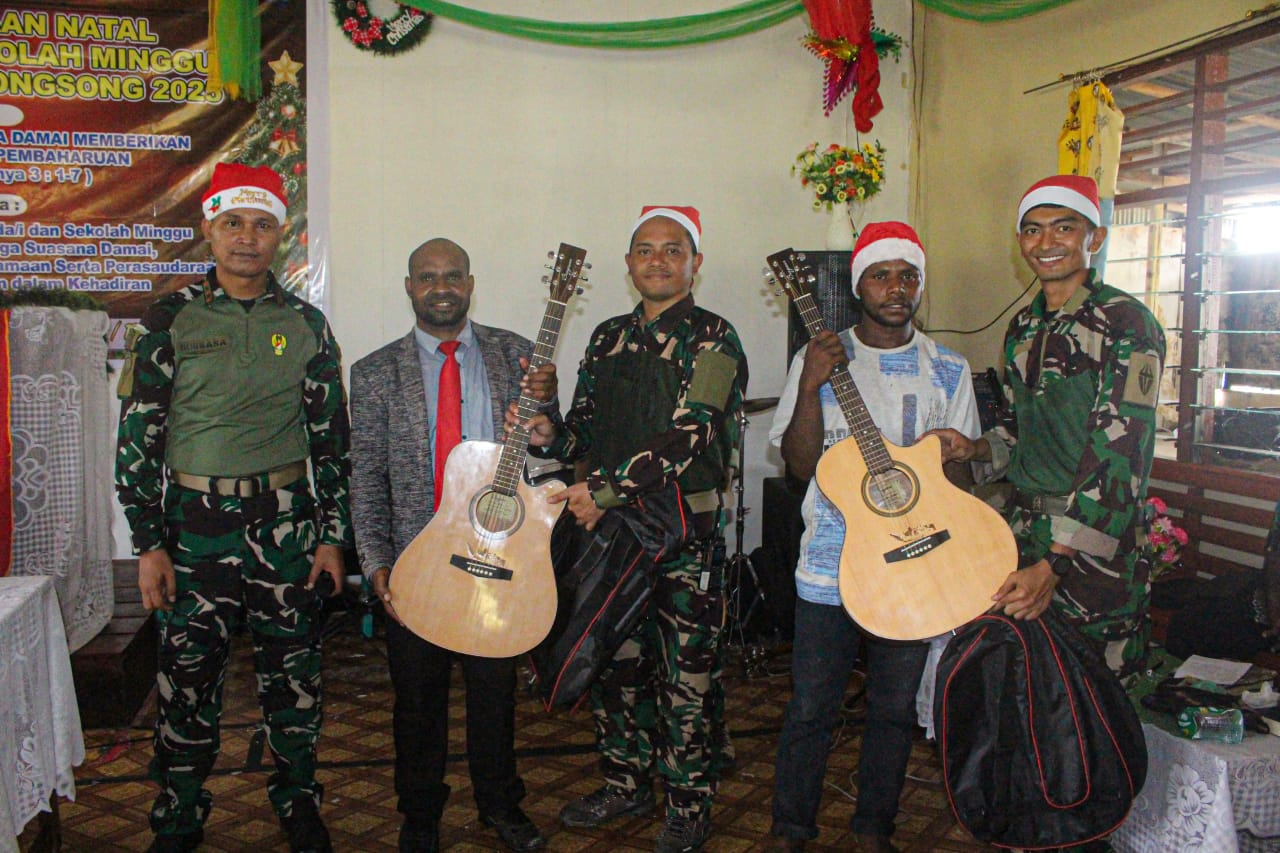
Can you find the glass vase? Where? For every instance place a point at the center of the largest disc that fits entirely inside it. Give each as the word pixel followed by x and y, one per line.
pixel 841 229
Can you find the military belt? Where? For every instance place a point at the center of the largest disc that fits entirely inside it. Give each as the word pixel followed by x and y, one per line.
pixel 249 486
pixel 1047 504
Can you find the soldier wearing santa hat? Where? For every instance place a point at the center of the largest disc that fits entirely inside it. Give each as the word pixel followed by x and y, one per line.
pixel 231 387
pixel 655 405
pixel 1082 375
pixel 910 384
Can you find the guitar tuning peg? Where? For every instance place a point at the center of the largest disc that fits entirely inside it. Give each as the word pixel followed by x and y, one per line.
pixel 586 265
pixel 800 256
pixel 546 279
pixel 578 291
pixel 551 255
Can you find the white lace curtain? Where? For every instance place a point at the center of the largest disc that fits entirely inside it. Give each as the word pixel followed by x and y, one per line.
pixel 61 429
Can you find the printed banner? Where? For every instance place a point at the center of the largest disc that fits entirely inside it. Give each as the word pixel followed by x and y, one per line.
pixel 108 137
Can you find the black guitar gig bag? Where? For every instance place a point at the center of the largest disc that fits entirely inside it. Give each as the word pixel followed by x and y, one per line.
pixel 1040 746
pixel 604 579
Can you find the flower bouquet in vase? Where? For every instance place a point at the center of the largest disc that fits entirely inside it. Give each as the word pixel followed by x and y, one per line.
pixel 1165 539
pixel 841 179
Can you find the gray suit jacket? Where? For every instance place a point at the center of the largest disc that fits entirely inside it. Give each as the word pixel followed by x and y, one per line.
pixel 392 472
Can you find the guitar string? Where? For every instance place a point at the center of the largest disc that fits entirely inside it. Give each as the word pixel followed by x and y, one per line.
pixel 883 472
pixel 511 458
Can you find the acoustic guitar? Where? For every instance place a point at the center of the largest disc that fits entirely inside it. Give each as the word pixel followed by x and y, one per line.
pixel 478 578
pixel 921 557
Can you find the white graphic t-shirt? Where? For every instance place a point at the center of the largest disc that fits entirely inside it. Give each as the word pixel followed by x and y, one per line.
pixel 908 391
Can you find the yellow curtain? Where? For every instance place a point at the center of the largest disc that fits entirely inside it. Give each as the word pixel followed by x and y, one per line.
pixel 1090 139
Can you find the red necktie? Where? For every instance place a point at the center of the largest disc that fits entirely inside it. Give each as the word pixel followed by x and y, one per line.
pixel 448 411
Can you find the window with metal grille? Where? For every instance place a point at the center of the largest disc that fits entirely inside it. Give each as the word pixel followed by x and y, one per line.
pixel 1196 235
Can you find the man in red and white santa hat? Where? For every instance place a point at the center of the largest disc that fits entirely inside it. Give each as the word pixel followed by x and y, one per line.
pixel 655 404
pixel 1083 363
pixel 232 390
pixel 910 385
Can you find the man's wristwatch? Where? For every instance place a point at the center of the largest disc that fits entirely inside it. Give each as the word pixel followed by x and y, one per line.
pixel 1060 563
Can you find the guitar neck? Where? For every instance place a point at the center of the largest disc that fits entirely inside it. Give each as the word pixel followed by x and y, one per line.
pixel 852 406
pixel 511 463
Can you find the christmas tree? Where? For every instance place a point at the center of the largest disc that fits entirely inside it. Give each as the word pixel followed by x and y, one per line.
pixel 278 138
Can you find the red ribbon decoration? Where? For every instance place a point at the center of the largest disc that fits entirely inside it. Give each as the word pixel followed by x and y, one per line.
pixel 847 22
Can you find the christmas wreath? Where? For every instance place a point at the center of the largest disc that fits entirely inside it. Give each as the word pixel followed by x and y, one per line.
pixel 395 34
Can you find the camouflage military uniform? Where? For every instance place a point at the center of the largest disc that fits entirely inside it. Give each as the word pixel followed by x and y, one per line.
pixel 1080 386
pixel 234 557
pixel 656 702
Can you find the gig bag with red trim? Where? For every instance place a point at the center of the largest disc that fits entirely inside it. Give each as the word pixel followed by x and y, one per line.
pixel 604 579
pixel 1040 746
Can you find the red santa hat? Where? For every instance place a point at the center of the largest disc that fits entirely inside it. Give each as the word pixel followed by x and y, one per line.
pixel 686 216
pixel 237 185
pixel 886 241
pixel 1077 192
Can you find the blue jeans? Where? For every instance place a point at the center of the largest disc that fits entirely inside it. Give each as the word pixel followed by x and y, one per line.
pixel 822 657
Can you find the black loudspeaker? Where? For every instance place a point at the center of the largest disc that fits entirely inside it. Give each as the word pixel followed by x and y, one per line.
pixel 833 291
pixel 775 559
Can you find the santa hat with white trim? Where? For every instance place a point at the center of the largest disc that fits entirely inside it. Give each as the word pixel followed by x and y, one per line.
pixel 1077 192
pixel 237 185
pixel 886 241
pixel 687 217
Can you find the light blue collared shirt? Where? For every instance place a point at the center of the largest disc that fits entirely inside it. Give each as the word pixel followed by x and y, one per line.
pixel 477 413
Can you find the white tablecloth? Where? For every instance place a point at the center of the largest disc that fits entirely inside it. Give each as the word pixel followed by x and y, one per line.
pixel 1206 796
pixel 62 426
pixel 40 737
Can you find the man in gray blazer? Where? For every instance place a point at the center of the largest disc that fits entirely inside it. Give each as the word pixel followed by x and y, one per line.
pixel 393 414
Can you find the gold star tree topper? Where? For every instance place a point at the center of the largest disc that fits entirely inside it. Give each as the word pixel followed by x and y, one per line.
pixel 286 69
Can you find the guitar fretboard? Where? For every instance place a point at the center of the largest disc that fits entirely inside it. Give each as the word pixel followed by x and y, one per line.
pixel 511 462
pixel 861 426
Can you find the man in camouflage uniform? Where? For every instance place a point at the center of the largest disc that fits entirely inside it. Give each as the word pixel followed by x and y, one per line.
pixel 1082 374
pixel 656 400
pixel 230 386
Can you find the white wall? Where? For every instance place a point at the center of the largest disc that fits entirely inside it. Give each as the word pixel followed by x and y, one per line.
pixel 510 147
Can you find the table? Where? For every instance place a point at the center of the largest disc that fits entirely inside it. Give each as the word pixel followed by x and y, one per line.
pixel 1206 796
pixel 40 737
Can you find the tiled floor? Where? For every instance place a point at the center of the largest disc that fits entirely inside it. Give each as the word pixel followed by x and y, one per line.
pixel 556 761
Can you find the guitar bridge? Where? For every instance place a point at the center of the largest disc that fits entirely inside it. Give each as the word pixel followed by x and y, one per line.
pixel 918 548
pixel 479 568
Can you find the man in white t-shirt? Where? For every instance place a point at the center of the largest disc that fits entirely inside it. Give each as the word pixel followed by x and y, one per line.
pixel 910 385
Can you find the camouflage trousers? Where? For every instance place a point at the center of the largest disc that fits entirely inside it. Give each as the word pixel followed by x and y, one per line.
pixel 1106 600
pixel 237 558
pixel 656 707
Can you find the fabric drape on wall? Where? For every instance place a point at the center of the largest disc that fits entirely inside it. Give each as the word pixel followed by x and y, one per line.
pixel 1090 140
pixel 1090 145
pixel 662 32
pixel 61 428
pixel 233 45
pixel 991 10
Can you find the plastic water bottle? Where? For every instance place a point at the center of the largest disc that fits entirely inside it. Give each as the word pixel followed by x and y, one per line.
pixel 1207 723
pixel 367 599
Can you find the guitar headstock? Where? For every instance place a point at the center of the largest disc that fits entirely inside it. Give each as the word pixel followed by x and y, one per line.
pixel 790 270
pixel 567 265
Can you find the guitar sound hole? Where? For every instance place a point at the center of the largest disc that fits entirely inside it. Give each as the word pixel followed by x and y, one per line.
pixel 892 492
pixel 496 514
